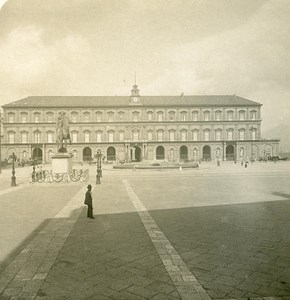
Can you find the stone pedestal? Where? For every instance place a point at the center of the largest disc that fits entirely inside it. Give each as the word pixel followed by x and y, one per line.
pixel 61 162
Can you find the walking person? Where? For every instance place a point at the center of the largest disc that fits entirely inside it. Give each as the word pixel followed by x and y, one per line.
pixel 89 202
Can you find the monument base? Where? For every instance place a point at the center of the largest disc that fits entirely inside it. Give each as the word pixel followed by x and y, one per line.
pixel 61 163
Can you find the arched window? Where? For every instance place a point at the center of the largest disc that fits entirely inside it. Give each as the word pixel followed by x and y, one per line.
pixel 36 117
pixel 218 115
pixel 218 135
pixel 242 134
pixel 150 135
pixel 86 117
pixel 74 117
pixel 253 115
pixel 171 135
pixel 121 115
pixel 135 116
pixel 160 152
pixel 230 134
pixel 183 153
pixel 87 136
pixel 11 117
pixel 195 135
pixel 24 137
pixel 242 115
pixel 99 116
pixel 160 116
pixel 253 134
pixel 74 136
pixel 230 115
pixel 111 136
pixel 206 115
pixel 99 136
pixel 160 135
pixel 50 137
pixel 149 115
pixel 183 115
pixel 111 116
pixel 49 117
pixel 183 135
pixel 24 117
pixel 111 154
pixel 171 115
pixel 195 115
pixel 206 134
pixel 37 136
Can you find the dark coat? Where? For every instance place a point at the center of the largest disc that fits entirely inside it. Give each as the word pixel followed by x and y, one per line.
pixel 88 199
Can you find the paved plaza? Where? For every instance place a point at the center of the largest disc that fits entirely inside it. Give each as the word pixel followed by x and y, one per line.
pixel 212 233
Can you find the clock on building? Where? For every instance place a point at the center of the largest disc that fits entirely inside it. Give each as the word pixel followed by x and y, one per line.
pixel 135 99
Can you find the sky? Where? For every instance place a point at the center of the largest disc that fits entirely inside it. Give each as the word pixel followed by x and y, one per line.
pixel 197 47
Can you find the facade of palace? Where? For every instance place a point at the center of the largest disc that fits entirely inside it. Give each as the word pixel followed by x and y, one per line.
pixel 138 128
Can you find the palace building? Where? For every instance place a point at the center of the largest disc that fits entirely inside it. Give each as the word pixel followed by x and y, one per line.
pixel 138 128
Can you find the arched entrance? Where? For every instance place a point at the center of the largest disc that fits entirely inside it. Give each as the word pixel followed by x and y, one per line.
pixel 111 154
pixel 183 153
pixel 160 152
pixel 37 154
pixel 136 153
pixel 87 154
pixel 206 153
pixel 230 152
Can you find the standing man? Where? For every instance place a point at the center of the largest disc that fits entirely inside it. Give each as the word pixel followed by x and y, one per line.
pixel 89 202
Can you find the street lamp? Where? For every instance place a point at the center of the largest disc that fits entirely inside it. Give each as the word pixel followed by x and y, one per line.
pixel 99 166
pixel 13 178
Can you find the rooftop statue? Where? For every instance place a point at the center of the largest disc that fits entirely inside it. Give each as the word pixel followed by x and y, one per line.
pixel 62 132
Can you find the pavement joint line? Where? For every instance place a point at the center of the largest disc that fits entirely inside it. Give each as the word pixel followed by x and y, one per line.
pixel 176 268
pixel 23 272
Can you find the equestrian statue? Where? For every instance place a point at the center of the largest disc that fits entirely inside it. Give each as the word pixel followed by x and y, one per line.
pixel 62 132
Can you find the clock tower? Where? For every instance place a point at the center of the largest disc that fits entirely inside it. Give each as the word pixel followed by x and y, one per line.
pixel 135 96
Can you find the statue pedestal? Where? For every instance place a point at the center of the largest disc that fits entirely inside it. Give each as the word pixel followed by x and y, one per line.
pixel 61 163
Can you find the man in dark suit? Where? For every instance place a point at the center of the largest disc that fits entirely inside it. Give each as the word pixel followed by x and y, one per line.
pixel 89 202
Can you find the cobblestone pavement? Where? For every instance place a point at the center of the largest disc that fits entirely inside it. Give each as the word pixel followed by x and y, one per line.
pixel 162 235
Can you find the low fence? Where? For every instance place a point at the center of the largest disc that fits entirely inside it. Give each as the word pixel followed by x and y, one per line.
pixel 46 176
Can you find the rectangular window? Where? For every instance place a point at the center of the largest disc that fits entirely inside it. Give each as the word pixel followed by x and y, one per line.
pixel 194 116
pixel 171 116
pixel 150 136
pixel 49 137
pixel 111 117
pixel 194 137
pixel 150 116
pixel 253 115
pixel 253 134
pixel 23 118
pixel 206 135
pixel 74 118
pixel 36 118
pixel 242 135
pixel 74 137
pixel 135 117
pixel 160 135
pixel 11 137
pixel 111 137
pixel 218 116
pixel 160 117
pixel 121 136
pixel 230 135
pixel 171 136
pixel 87 137
pixel 218 135
pixel 183 135
pixel 230 116
pixel 37 136
pixel 99 118
pixel 86 118
pixel 99 137
pixel 135 136
pixel 49 118
pixel 183 117
pixel 206 116
pixel 11 118
pixel 24 137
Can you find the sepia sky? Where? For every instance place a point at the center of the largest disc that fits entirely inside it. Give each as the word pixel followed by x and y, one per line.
pixel 93 47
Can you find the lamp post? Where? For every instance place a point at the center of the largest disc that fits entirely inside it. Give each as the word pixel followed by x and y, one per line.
pixel 99 166
pixel 13 178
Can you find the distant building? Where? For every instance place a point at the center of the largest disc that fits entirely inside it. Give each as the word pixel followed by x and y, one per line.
pixel 138 128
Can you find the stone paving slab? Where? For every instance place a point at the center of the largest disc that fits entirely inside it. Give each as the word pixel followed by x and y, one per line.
pixel 126 256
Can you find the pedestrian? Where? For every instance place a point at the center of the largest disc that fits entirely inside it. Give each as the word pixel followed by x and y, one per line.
pixel 89 202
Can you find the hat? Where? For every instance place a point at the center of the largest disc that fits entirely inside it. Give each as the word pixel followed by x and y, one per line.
pixel 89 186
